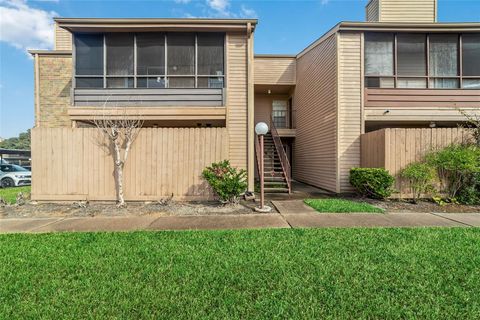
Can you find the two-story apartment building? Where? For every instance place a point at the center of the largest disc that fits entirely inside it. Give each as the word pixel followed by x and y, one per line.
pixel 400 68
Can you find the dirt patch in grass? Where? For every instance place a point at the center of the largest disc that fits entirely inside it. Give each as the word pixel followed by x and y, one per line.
pixel 421 206
pixel 133 209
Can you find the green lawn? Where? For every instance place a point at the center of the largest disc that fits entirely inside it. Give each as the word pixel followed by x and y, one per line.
pixel 10 194
pixel 341 206
pixel 264 274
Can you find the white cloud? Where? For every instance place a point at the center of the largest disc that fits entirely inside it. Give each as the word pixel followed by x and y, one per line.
pixel 25 27
pixel 247 12
pixel 219 5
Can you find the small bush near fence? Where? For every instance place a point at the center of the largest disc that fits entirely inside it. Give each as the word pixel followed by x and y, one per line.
pixel 420 177
pixel 457 167
pixel 226 181
pixel 375 183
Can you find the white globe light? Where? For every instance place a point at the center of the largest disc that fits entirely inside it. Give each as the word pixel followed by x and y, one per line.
pixel 261 128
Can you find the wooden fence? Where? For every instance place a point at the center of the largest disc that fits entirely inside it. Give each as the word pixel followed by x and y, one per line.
pixel 71 164
pixel 394 149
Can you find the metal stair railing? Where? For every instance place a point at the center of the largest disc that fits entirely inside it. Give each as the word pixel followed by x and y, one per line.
pixel 282 155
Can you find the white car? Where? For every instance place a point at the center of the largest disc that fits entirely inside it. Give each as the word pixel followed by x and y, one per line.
pixel 12 175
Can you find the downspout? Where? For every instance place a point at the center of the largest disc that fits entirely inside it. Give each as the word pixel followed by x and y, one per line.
pixel 250 110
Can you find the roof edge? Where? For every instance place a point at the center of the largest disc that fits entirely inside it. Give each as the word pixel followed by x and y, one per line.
pixel 61 20
pixel 49 52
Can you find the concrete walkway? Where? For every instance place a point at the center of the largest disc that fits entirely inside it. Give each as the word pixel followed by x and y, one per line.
pixel 251 221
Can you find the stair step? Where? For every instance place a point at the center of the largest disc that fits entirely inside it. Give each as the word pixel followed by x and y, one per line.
pixel 276 190
pixel 274 179
pixel 276 184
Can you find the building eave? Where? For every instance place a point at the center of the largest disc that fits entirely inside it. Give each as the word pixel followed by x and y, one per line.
pixel 152 24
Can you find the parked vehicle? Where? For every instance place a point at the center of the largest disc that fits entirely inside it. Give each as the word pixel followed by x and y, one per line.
pixel 12 175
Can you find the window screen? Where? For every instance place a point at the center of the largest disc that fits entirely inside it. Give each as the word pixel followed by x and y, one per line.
pixel 471 54
pixel 181 53
pixel 443 55
pixel 279 113
pixel 150 54
pixel 411 55
pixel 89 54
pixel 379 54
pixel 119 53
pixel 210 53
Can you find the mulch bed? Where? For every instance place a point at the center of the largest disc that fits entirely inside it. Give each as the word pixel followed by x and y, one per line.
pixel 133 209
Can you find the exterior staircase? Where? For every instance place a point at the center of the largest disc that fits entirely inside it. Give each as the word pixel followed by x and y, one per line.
pixel 275 178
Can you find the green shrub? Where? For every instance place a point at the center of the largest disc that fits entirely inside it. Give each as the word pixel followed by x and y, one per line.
pixel 420 176
pixel 375 183
pixel 226 181
pixel 470 193
pixel 456 165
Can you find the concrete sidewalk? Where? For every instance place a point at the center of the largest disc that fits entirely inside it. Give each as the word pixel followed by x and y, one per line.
pixel 251 221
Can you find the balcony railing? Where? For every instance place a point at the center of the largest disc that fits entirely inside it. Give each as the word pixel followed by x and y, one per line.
pixel 211 97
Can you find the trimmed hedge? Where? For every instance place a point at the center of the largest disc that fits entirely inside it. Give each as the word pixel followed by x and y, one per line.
pixel 376 183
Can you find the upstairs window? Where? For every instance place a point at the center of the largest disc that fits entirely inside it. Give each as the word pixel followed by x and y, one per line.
pixel 119 60
pixel 149 60
pixel 443 61
pixel 471 61
pixel 379 63
pixel 411 61
pixel 89 60
pixel 419 61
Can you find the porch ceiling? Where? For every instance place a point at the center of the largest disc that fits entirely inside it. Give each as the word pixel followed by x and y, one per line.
pixel 274 89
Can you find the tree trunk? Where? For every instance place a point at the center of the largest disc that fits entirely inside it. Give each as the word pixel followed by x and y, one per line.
pixel 119 175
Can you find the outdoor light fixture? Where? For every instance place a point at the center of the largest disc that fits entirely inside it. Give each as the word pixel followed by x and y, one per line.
pixel 261 130
pixel 433 124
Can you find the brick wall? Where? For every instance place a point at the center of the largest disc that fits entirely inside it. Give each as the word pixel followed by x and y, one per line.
pixel 55 81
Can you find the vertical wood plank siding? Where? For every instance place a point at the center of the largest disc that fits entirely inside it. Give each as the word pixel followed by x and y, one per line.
pixel 393 149
pixel 349 106
pixel 237 98
pixel 273 70
pixel 373 11
pixel 63 39
pixel 315 103
pixel 408 11
pixel 69 164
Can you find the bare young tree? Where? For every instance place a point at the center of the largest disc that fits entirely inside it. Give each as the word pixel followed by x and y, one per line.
pixel 472 123
pixel 120 130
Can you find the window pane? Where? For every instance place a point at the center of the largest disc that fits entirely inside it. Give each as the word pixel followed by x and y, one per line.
pixel 443 55
pixel 471 83
pixel 211 82
pixel 377 82
pixel 120 83
pixel 379 54
pixel 411 57
pixel 411 83
pixel 181 53
pixel 471 54
pixel 89 54
pixel 151 53
pixel 181 82
pixel 151 82
pixel 210 53
pixel 119 54
pixel 89 82
pixel 444 83
pixel 279 113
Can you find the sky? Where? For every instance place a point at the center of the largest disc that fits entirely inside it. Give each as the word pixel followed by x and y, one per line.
pixel 285 26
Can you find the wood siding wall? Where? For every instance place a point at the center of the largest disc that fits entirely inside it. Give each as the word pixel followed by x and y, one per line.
pixel 349 106
pixel 315 103
pixel 63 39
pixel 372 11
pixel 419 104
pixel 148 97
pixel 69 164
pixel 408 10
pixel 237 111
pixel 275 70
pixel 394 149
